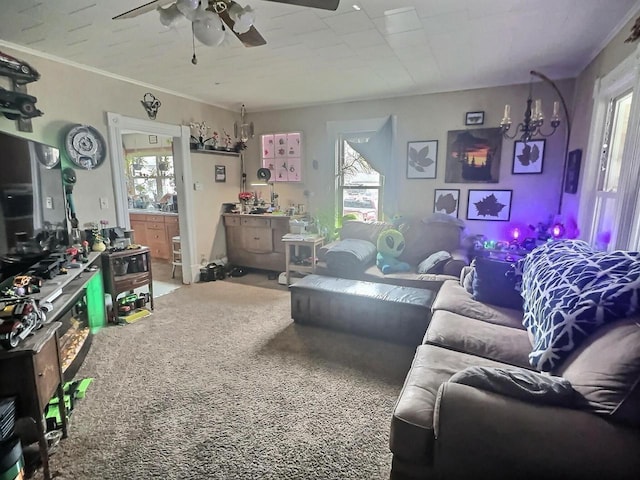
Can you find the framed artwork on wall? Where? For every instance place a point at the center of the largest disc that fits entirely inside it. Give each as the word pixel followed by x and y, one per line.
pixel 528 157
pixel 446 201
pixel 474 118
pixel 473 156
pixel 221 173
pixel 422 157
pixel 493 205
pixel 574 160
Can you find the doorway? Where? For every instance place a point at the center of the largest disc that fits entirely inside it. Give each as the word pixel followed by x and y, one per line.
pixel 178 135
pixel 152 201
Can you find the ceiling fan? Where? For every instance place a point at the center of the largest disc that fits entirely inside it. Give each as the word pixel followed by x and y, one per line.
pixel 208 18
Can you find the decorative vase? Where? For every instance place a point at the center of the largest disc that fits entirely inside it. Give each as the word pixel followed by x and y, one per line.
pixel 98 246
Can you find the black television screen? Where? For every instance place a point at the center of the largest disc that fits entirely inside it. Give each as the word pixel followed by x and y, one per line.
pixel 33 211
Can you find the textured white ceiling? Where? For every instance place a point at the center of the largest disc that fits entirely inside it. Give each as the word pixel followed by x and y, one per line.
pixel 388 48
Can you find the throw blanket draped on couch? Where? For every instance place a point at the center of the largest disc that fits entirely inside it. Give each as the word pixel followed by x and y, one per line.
pixel 569 291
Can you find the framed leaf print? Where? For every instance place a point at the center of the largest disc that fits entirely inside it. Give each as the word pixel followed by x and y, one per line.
pixel 528 157
pixel 492 205
pixel 447 202
pixel 422 158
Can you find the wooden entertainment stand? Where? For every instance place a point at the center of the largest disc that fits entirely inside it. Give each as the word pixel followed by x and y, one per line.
pixel 36 369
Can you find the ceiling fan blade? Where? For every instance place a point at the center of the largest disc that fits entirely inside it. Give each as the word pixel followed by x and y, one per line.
pixel 323 4
pixel 251 38
pixel 147 7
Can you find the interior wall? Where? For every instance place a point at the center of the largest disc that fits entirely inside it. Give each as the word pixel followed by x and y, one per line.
pixel 68 95
pixel 610 57
pixel 425 117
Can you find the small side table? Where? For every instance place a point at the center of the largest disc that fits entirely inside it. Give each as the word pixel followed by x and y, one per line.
pixel 296 241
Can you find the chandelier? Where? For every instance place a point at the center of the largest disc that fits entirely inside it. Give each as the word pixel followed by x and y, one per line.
pixel 533 121
pixel 243 130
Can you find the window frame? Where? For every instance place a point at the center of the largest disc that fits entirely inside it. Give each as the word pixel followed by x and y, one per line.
pixel 341 187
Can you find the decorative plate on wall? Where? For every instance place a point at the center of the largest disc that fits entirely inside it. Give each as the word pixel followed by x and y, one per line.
pixel 85 146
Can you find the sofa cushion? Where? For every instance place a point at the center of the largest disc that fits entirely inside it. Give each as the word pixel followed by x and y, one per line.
pixel 363 230
pixel 525 385
pixel 605 371
pixel 452 297
pixel 570 291
pixel 434 263
pixel 411 434
pixel 424 237
pixel 484 339
pixel 350 255
pixel 494 282
pixel 428 281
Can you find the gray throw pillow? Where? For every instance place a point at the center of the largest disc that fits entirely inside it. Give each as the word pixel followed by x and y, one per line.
pixel 518 383
pixel 434 263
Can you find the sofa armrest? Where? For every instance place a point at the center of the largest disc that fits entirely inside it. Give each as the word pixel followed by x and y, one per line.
pixel 497 436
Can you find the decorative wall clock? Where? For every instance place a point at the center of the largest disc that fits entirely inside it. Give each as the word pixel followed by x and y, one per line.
pixel 85 146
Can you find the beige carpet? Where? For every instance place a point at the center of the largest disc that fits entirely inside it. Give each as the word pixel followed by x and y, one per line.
pixel 220 384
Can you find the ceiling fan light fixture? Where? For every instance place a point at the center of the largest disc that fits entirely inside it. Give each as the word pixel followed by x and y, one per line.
pixel 188 7
pixel 208 28
pixel 243 18
pixel 169 15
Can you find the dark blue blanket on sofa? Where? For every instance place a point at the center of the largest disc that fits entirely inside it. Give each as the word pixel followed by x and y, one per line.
pixel 570 290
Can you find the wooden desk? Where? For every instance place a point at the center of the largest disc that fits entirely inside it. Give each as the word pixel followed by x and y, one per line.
pixel 302 240
pixel 138 273
pixel 33 373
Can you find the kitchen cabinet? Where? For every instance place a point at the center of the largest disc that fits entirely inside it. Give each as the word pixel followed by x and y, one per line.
pixel 155 230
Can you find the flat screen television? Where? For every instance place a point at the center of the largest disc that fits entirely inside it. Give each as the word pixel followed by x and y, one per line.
pixel 33 210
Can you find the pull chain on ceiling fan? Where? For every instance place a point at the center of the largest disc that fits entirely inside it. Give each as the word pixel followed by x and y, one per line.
pixel 209 19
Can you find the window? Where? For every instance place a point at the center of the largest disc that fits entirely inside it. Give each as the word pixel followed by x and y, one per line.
pixel 359 185
pixel 609 205
pixel 150 180
pixel 608 176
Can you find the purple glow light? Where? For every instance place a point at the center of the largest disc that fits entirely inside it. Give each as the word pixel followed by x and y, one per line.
pixel 558 230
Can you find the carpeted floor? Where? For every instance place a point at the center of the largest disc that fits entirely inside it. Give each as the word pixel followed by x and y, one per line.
pixel 220 384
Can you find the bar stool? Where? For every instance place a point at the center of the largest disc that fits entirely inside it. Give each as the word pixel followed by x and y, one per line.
pixel 176 255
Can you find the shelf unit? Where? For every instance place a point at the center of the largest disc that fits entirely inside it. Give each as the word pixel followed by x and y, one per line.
pixel 215 152
pixel 138 259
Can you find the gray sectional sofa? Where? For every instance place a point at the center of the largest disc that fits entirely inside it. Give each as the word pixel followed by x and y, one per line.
pixel 353 254
pixel 520 426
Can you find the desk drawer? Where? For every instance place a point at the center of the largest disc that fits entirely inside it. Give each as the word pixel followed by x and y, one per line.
pixel 256 222
pixel 232 221
pixel 131 281
pixel 171 220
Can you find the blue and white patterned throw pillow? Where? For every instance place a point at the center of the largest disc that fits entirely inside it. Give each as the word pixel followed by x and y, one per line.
pixel 570 290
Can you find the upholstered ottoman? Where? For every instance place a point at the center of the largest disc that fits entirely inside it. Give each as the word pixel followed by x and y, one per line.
pixel 388 312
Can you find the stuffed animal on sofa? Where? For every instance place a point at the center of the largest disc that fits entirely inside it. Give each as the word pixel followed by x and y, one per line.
pixel 390 246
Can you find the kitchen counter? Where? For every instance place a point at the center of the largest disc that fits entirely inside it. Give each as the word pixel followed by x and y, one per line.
pixel 144 211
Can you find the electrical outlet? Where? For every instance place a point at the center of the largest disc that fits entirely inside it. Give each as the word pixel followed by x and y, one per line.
pixel 49 203
pixel 198 186
pixel 104 203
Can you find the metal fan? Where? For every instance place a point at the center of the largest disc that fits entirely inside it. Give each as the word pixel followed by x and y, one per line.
pixel 264 174
pixel 229 12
